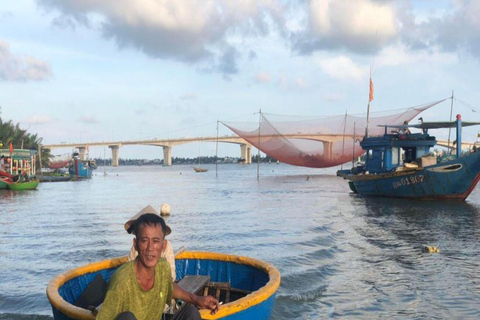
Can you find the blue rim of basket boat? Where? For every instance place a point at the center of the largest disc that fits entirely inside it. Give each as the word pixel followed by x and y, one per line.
pixel 255 298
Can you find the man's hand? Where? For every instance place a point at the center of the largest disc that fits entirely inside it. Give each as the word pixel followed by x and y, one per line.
pixel 207 302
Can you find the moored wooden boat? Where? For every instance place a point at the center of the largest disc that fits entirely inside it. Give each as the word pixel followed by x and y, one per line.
pixel 81 169
pixel 246 286
pixel 420 176
pixel 199 169
pixel 28 185
pixel 54 178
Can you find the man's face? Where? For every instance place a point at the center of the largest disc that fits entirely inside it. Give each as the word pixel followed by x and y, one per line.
pixel 149 244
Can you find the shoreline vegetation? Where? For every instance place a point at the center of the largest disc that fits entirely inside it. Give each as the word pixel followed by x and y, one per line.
pixel 14 137
pixel 182 161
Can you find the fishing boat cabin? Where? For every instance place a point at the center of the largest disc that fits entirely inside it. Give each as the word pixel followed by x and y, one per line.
pixel 397 150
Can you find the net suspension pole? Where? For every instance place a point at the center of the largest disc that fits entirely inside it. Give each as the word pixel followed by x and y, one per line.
pixel 104 169
pixel 353 148
pixel 450 129
pixel 216 155
pixel 258 149
pixel 343 141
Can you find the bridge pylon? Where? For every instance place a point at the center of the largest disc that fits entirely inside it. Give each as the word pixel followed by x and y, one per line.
pixel 167 156
pixel 115 154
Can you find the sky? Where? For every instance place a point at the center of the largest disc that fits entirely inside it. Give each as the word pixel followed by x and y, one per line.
pixel 84 70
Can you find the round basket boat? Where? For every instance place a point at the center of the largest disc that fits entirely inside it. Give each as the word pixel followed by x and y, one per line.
pixel 246 286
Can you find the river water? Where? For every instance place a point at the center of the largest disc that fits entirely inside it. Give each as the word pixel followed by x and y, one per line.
pixel 340 255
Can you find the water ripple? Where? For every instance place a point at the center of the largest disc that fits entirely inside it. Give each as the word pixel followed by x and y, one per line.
pixel 340 255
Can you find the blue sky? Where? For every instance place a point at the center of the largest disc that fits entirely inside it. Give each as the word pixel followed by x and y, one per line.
pixel 82 70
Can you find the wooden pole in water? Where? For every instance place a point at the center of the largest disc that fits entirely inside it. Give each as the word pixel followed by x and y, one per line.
pixel 258 146
pixel 353 150
pixel 216 155
pixel 343 141
pixel 104 170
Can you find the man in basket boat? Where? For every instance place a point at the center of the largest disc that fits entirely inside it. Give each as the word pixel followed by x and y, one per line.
pixel 140 288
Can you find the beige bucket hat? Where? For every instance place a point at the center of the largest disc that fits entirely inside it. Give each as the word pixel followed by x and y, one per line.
pixel 148 209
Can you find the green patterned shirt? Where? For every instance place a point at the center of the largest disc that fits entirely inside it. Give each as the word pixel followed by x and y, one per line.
pixel 125 294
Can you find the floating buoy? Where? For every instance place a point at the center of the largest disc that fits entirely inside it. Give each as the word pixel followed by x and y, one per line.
pixel 431 249
pixel 165 210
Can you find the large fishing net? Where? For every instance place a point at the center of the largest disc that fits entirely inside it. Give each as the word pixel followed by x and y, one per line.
pixel 59 161
pixel 318 142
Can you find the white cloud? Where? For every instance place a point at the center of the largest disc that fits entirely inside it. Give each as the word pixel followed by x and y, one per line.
pixel 88 119
pixel 188 96
pixel 191 31
pixel 38 119
pixel 282 81
pixel 263 77
pixel 454 29
pixel 343 68
pixel 359 26
pixel 300 83
pixel 399 54
pixel 21 68
pixel 216 34
pixel 332 96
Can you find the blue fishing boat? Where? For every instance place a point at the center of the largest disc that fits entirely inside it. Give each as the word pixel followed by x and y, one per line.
pixel 400 164
pixel 81 169
pixel 246 287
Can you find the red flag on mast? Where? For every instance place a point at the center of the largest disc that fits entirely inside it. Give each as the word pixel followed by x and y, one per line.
pixel 370 96
pixel 11 147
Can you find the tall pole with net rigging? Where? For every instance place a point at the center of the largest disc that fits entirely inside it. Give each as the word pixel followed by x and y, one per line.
pixel 343 142
pixel 216 154
pixel 258 154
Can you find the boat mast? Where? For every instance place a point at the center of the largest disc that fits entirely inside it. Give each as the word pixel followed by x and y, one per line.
pixel 370 99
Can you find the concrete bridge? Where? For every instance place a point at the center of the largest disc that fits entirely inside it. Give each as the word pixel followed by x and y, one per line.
pixel 168 144
pixel 245 146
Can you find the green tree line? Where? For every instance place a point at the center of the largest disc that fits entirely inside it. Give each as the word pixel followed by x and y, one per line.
pixel 21 139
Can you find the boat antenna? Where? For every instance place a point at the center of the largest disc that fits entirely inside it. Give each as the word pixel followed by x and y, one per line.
pixel 450 129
